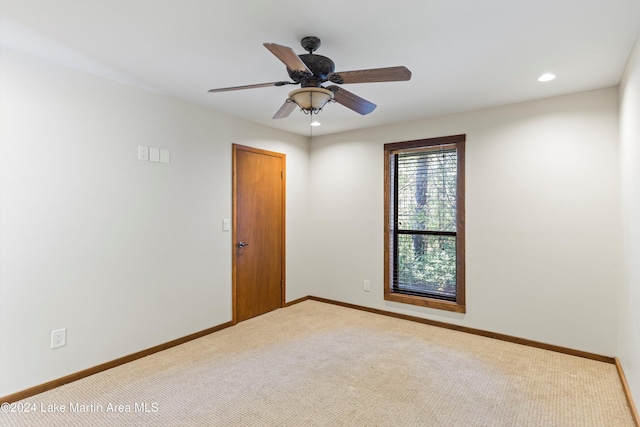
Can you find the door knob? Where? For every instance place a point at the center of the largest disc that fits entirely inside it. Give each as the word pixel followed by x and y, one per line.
pixel 242 244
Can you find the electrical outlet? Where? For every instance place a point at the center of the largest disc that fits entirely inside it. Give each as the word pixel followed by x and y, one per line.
pixel 59 338
pixel 367 286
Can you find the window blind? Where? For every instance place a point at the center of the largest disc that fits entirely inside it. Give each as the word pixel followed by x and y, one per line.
pixel 425 222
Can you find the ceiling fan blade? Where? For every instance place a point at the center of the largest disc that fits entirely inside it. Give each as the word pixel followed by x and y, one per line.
pixel 285 110
pixel 388 74
pixel 352 101
pixel 226 89
pixel 288 57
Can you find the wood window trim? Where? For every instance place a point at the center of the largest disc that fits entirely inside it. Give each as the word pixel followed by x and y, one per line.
pixel 459 305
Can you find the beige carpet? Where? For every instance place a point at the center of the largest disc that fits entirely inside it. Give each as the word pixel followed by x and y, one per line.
pixel 315 364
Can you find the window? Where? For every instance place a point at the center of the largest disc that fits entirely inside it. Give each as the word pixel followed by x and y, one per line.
pixel 424 223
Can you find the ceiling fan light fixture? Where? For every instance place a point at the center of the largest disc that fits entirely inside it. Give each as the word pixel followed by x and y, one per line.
pixel 311 99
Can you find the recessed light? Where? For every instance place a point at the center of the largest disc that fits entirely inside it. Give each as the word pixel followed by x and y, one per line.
pixel 315 123
pixel 546 77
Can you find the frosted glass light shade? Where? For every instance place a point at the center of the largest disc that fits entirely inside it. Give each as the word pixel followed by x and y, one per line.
pixel 311 98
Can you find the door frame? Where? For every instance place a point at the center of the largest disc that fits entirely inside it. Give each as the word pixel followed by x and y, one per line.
pixel 234 223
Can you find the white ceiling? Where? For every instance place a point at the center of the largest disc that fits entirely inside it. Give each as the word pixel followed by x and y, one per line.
pixel 464 54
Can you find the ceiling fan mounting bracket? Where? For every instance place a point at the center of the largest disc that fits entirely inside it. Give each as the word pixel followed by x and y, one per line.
pixel 310 43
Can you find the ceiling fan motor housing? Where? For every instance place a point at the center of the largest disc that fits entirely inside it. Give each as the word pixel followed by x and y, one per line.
pixel 319 65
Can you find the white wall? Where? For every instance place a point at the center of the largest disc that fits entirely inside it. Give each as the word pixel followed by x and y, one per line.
pixel 124 254
pixel 629 319
pixel 542 219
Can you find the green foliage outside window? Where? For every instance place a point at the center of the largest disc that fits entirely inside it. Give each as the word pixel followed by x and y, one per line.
pixel 425 225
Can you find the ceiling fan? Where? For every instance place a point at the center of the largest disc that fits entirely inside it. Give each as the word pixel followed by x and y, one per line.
pixel 310 71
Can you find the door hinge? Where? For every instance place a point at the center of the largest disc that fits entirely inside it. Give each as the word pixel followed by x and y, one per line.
pixel 282 174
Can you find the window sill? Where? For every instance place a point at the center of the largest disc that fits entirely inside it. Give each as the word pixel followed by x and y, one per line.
pixel 425 302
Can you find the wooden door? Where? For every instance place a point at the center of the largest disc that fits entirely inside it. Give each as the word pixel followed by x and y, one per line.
pixel 258 231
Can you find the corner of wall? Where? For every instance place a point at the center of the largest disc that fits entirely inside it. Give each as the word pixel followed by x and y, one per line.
pixel 628 342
